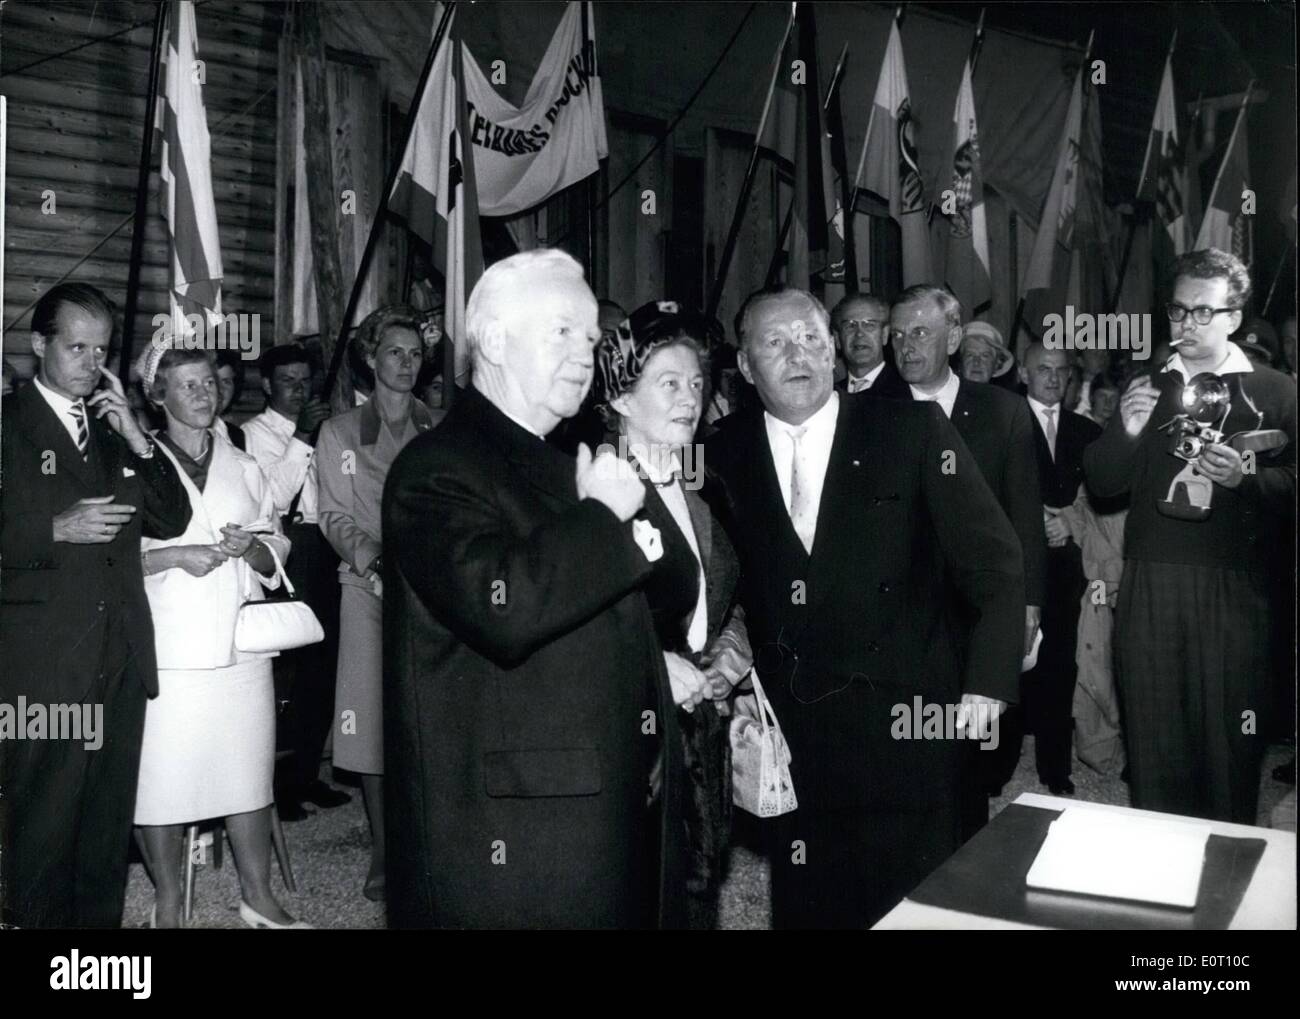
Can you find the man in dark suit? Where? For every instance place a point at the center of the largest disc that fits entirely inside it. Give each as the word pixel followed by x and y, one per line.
pixel 82 483
pixel 1060 437
pixel 858 522
pixel 860 327
pixel 925 325
pixel 525 695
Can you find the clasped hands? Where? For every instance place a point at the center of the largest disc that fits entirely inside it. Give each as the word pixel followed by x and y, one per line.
pixel 200 560
pixel 715 681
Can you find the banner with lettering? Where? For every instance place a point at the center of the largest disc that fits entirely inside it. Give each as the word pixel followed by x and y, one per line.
pixel 524 155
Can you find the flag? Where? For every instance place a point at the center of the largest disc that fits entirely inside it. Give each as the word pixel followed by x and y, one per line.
pixel 889 165
pixel 188 206
pixel 793 135
pixel 1164 173
pixel 435 190
pixel 526 154
pixel 1049 262
pixel 1225 226
pixel 967 268
pixel 842 274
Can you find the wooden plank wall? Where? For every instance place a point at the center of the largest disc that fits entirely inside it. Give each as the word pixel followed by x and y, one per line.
pixel 74 130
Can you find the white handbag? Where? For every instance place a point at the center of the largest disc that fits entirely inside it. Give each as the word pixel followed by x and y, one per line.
pixel 265 626
pixel 760 758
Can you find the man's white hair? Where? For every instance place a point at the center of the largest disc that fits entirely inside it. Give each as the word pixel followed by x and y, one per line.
pixel 496 290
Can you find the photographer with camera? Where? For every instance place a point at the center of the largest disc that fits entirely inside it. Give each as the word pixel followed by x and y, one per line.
pixel 1204 447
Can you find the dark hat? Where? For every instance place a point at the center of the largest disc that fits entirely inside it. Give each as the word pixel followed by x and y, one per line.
pixel 621 358
pixel 1258 337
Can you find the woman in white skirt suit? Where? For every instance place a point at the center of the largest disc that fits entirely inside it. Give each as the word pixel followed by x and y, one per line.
pixel 353 455
pixel 209 736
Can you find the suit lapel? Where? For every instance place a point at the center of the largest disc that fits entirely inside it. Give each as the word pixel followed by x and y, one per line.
pixel 44 430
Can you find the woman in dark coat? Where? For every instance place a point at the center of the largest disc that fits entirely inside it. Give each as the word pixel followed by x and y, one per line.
pixel 650 385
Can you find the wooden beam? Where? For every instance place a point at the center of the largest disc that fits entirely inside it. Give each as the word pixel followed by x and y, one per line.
pixel 322 194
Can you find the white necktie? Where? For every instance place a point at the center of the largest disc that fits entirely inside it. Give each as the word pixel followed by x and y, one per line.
pixel 802 512
pixel 1049 429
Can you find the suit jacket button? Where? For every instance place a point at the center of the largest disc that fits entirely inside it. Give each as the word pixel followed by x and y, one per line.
pixel 873 647
pixel 100 606
pixel 884 588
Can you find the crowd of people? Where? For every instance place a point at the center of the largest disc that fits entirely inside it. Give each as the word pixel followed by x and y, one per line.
pixel 545 607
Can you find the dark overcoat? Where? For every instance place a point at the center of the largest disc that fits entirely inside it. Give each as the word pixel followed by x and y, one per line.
pixel 525 695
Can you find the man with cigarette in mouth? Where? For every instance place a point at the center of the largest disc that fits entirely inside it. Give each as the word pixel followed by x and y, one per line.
pixel 82 483
pixel 1192 622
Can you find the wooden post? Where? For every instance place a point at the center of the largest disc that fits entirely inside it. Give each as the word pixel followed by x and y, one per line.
pixel 322 195
pixel 335 358
pixel 142 192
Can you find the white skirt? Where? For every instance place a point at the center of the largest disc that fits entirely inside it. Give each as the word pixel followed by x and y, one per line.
pixel 209 744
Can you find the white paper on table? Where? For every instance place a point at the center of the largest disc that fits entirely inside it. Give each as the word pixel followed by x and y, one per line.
pixel 1092 852
pixel 1031 659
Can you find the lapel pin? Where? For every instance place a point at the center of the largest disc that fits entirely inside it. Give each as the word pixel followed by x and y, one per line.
pixel 857 463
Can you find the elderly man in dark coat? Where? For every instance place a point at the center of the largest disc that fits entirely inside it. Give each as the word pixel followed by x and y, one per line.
pixel 525 696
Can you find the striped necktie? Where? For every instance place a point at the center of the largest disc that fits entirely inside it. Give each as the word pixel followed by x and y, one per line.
pixel 78 412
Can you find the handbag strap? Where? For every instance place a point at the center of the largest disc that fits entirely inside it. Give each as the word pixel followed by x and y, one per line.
pixel 279 569
pixel 764 707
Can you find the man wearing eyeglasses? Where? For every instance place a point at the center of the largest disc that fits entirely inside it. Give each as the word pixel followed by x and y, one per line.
pixel 1192 622
pixel 860 325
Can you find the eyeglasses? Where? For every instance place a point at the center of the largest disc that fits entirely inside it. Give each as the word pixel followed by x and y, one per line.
pixel 861 325
pixel 1201 315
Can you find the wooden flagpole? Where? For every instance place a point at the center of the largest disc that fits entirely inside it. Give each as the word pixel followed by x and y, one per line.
pixel 336 361
pixel 747 187
pixel 142 190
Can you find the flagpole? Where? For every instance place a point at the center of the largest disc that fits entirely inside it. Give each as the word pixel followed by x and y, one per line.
pixel 1138 204
pixel 1227 153
pixel 336 362
pixel 142 190
pixel 747 186
pixel 976 46
pixel 840 156
pixel 1083 120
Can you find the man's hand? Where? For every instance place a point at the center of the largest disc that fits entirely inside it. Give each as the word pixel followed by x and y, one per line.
pixel 611 481
pixel 110 405
pixel 1058 531
pixel 92 521
pixel 196 560
pixel 313 413
pixel 688 684
pixel 1033 618
pixel 1221 464
pixel 1136 405
pixel 977 715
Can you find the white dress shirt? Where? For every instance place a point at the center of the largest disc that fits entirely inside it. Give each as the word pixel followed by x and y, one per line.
pixel 1040 414
pixel 675 499
pixel 1236 361
pixel 945 397
pixel 857 385
pixel 62 408
pixel 816 443
pixel 288 463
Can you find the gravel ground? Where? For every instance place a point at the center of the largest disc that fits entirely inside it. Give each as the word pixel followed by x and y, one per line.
pixel 330 854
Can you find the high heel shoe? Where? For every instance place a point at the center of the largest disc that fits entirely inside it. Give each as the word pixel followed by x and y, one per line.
pixel 255 919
